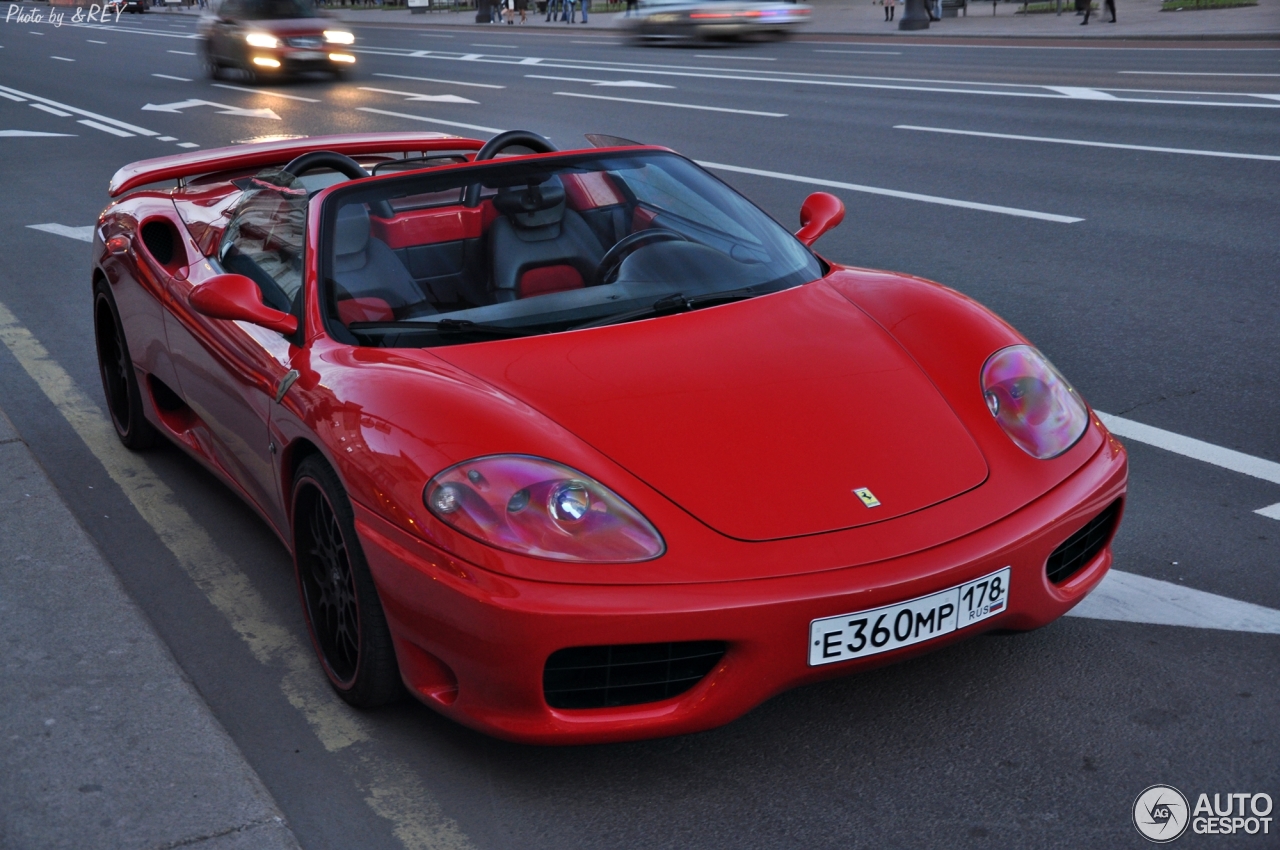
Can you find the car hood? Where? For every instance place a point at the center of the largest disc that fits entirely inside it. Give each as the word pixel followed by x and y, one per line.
pixel 760 418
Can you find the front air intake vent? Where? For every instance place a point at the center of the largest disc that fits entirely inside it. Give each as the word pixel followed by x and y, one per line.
pixel 611 676
pixel 1079 549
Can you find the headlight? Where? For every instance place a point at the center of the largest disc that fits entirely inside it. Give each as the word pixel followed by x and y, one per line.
pixel 1033 403
pixel 262 39
pixel 537 507
pixel 339 37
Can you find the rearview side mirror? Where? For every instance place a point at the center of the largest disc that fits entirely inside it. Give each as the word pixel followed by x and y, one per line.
pixel 237 298
pixel 819 213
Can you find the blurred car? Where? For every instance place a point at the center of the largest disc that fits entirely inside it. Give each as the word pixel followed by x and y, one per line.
pixel 133 7
pixel 717 19
pixel 273 37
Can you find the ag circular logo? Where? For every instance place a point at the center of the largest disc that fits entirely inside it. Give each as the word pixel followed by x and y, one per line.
pixel 1160 813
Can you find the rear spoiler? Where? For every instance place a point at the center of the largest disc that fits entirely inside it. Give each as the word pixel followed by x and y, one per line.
pixel 263 154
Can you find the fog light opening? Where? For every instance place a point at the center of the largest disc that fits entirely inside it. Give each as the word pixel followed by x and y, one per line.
pixel 266 62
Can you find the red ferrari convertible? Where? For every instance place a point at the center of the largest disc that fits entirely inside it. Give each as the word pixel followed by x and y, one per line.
pixel 581 445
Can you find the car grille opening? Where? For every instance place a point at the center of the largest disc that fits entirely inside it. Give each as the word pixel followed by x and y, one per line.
pixel 631 674
pixel 1080 548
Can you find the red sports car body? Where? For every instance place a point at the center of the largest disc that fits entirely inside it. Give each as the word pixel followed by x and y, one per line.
pixel 580 446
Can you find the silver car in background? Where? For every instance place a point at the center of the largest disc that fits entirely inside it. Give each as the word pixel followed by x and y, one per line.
pixel 715 19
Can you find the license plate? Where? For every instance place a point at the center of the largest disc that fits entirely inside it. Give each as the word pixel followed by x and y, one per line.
pixel 864 633
pixel 304 55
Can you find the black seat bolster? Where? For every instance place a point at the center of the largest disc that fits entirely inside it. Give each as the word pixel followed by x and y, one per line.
pixel 514 253
pixel 376 272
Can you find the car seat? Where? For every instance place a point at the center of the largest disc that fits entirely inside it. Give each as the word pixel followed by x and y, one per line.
pixel 372 284
pixel 538 245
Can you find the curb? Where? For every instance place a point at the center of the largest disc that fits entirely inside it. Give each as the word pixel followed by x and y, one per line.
pixel 108 742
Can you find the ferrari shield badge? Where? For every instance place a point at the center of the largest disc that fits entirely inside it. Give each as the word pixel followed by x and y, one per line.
pixel 868 498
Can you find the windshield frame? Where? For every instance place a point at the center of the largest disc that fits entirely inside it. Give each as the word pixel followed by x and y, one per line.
pixel 384 188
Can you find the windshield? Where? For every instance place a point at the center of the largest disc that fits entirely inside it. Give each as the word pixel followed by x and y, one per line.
pixel 275 10
pixel 543 246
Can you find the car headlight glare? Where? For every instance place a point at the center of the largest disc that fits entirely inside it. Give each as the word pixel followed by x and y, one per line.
pixel 339 37
pixel 1039 410
pixel 537 507
pixel 261 39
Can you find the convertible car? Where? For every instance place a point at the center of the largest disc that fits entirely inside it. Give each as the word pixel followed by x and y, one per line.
pixel 581 446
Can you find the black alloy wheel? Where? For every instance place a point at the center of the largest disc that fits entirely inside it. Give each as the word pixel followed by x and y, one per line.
pixel 339 600
pixel 119 380
pixel 212 67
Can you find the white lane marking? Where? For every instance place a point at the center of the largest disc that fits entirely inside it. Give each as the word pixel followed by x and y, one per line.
pixel 625 84
pixel 1196 74
pixel 35 32
pixel 1190 447
pixel 1072 93
pixel 893 193
pixel 182 52
pixel 1040 47
pixel 434 80
pixel 141 131
pixel 745 58
pixel 429 98
pixel 167 139
pixel 171 77
pixel 106 128
pixel 1270 511
pixel 223 109
pixel 1082 143
pixel 13 97
pixel 83 234
pixel 1133 598
pixel 674 105
pixel 32 134
pixel 134 30
pixel 865 52
pixel 187 145
pixel 596 41
pixel 501 46
pixel 429 120
pixel 266 92
pixel 58 112
pixel 62 58
pixel 391 787
pixel 1082 93
pixel 95 41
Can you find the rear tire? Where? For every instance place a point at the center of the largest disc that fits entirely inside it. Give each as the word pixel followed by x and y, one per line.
pixel 339 601
pixel 119 378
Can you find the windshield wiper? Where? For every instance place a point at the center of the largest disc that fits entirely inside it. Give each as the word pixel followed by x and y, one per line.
pixel 674 303
pixel 460 327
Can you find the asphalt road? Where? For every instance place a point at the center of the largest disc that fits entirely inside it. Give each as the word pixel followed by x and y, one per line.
pixel 1148 276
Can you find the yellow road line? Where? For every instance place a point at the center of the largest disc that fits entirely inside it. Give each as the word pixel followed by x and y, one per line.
pixel 392 788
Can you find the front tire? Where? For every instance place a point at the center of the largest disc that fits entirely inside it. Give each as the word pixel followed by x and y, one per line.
pixel 339 601
pixel 119 378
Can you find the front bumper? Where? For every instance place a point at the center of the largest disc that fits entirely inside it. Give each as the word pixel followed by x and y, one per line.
pixel 472 644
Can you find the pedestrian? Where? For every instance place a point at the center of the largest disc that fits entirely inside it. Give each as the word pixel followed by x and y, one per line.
pixel 1111 7
pixel 889 6
pixel 551 10
pixel 509 11
pixel 521 6
pixel 1088 7
pixel 585 4
pixel 631 4
pixel 566 9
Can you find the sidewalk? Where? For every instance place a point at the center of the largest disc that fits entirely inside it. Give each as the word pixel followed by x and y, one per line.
pixel 106 742
pixel 1137 19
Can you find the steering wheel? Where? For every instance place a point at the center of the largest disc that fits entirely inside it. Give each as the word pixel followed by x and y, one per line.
pixel 341 163
pixel 612 259
pixel 499 143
